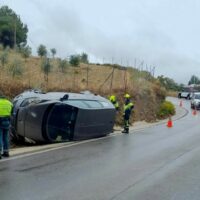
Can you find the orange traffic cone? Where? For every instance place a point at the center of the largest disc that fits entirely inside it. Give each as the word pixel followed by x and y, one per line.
pixel 181 104
pixel 194 112
pixel 169 123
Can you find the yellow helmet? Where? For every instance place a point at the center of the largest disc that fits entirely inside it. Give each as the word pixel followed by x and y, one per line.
pixel 127 96
pixel 112 98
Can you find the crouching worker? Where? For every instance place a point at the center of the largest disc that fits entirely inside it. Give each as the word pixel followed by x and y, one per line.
pixel 5 113
pixel 128 106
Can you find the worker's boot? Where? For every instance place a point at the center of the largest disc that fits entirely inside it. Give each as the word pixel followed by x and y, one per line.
pixel 6 154
pixel 0 157
pixel 126 130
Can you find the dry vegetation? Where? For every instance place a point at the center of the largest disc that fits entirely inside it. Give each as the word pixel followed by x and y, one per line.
pixel 147 94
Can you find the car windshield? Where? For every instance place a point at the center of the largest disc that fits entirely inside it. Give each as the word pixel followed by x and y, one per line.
pixel 85 103
pixel 197 96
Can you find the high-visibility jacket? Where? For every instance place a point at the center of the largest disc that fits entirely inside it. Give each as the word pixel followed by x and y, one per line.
pixel 127 109
pixel 114 102
pixel 5 108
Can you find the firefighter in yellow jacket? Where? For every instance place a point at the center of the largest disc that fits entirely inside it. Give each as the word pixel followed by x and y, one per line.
pixel 5 113
pixel 128 107
pixel 113 100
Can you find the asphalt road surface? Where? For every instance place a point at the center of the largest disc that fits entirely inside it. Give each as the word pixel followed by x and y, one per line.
pixel 156 163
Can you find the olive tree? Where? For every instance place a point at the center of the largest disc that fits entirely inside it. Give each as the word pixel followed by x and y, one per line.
pixel 42 50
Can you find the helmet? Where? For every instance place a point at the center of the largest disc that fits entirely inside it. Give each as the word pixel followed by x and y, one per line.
pixel 112 98
pixel 127 96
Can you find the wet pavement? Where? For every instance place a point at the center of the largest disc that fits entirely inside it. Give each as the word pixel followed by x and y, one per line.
pixel 149 164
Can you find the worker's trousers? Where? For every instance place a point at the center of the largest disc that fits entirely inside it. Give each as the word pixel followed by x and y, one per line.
pixel 4 135
pixel 4 140
pixel 126 125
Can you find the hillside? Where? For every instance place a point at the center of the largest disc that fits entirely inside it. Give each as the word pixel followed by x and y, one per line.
pixel 146 91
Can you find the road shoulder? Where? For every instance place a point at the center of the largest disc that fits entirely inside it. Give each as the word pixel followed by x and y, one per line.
pixel 180 113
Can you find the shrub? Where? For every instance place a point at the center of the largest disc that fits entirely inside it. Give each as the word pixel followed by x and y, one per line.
pixel 74 60
pixel 4 58
pixel 16 68
pixel 1 47
pixel 25 51
pixel 166 109
pixel 46 68
pixel 62 65
pixel 84 58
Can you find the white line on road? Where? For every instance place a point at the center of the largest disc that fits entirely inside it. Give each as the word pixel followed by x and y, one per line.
pixel 56 148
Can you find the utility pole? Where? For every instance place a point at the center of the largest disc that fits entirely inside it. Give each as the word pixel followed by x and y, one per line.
pixel 111 83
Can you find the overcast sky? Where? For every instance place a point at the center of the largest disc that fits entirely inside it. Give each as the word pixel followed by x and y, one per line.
pixel 162 33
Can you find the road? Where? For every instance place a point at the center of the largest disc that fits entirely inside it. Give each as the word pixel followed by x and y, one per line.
pixel 156 163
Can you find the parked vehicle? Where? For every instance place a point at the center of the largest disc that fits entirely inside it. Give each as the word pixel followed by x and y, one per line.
pixel 188 91
pixel 195 101
pixel 186 95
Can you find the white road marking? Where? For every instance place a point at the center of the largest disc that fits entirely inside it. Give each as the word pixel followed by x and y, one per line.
pixel 56 148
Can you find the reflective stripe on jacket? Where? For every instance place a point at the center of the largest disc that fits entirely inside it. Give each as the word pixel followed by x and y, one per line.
pixel 128 106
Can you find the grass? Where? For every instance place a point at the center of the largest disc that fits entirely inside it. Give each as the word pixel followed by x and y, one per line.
pixel 146 92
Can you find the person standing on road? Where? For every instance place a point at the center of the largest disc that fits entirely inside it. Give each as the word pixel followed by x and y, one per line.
pixel 113 100
pixel 128 106
pixel 5 113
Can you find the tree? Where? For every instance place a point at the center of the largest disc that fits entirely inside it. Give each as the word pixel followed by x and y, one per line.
pixel 12 30
pixel 53 52
pixel 62 65
pixel 169 83
pixel 42 50
pixel 84 58
pixel 194 80
pixel 46 68
pixel 74 60
pixel 25 51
